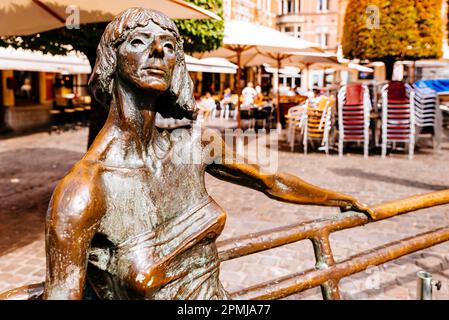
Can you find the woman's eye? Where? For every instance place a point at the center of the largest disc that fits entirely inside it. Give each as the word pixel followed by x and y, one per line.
pixel 136 42
pixel 169 46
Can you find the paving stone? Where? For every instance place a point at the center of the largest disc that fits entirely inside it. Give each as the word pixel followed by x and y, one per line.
pixel 23 209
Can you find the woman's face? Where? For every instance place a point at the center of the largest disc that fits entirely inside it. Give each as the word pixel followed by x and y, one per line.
pixel 146 59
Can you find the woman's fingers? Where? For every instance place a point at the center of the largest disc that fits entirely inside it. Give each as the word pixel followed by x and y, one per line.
pixel 357 205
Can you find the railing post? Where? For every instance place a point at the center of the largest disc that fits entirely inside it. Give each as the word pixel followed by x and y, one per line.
pixel 424 291
pixel 425 285
pixel 325 259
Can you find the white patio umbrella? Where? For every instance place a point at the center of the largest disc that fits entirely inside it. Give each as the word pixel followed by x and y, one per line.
pixel 25 17
pixel 246 42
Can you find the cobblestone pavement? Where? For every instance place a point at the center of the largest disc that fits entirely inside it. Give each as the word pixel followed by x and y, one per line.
pixel 30 166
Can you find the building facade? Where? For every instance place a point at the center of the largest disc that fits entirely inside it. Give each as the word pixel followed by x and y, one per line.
pixel 319 21
pixel 262 12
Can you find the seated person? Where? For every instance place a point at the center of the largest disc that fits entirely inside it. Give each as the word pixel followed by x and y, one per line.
pixel 227 103
pixel 227 98
pixel 207 105
pixel 259 99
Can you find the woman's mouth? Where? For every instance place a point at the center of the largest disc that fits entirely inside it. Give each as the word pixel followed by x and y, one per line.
pixel 156 71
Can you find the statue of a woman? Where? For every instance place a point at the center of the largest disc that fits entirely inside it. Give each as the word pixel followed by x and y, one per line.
pixel 127 221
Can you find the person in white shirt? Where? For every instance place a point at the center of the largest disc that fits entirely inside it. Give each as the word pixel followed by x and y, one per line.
pixel 248 94
pixel 207 104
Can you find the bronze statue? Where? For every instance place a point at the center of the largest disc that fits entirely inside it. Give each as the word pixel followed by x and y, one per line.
pixel 128 222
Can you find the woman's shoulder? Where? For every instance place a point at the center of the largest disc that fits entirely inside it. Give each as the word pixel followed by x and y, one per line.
pixel 83 177
pixel 78 197
pixel 77 202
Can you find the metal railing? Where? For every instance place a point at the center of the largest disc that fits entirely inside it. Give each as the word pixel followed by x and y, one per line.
pixel 327 272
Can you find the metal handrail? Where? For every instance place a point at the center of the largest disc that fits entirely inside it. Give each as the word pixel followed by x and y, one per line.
pixel 327 272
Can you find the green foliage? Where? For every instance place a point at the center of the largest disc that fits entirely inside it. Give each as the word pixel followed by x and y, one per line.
pixel 198 35
pixel 408 30
pixel 202 35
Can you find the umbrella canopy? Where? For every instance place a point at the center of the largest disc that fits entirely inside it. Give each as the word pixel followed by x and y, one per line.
pixel 214 65
pixel 307 59
pixel 287 71
pixel 18 59
pixel 25 17
pixel 254 41
pixel 249 44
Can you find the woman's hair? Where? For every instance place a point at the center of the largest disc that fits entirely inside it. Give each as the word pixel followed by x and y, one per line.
pixel 178 101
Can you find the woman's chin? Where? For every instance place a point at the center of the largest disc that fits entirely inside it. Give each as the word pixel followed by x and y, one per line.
pixel 155 87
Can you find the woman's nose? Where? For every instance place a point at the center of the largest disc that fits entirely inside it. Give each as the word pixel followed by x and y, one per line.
pixel 156 47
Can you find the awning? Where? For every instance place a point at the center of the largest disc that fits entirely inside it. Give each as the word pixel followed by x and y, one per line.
pixel 212 65
pixel 25 60
pixel 25 17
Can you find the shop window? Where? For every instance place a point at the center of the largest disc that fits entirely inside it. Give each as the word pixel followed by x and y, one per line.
pixel 326 40
pixel 290 6
pixel 289 30
pixel 26 88
pixel 298 32
pixel 63 86
pixel 323 5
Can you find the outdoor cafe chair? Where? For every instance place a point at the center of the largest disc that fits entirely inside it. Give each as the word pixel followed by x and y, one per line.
pixel 354 107
pixel 225 109
pixel 296 119
pixel 398 116
pixel 428 117
pixel 55 120
pixel 262 114
pixel 318 123
pixel 247 115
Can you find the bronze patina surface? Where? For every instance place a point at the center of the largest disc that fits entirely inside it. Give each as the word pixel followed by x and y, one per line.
pixel 128 221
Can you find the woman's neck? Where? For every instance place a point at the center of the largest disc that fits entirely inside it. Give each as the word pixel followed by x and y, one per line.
pixel 134 112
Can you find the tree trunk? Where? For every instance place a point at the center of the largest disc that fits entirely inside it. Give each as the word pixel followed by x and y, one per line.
pixel 98 113
pixel 3 127
pixel 98 116
pixel 2 108
pixel 412 73
pixel 389 67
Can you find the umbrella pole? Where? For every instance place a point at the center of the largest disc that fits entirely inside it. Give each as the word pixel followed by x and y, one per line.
pixel 307 78
pixel 278 109
pixel 239 93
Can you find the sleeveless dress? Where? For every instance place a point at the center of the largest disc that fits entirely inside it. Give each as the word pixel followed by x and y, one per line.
pixel 157 238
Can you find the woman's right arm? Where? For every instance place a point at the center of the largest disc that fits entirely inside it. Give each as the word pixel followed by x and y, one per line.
pixel 73 216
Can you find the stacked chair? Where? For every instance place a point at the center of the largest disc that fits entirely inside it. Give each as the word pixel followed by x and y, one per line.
pixel 427 115
pixel 398 116
pixel 296 118
pixel 318 123
pixel 354 107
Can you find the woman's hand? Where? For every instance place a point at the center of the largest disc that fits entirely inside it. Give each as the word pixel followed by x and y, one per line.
pixel 356 205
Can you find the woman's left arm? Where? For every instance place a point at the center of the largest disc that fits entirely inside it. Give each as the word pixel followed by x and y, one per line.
pixel 280 186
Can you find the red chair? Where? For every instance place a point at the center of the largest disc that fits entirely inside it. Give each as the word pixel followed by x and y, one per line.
pixel 354 116
pixel 398 116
